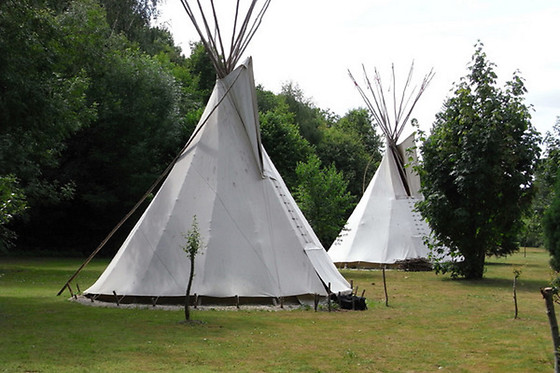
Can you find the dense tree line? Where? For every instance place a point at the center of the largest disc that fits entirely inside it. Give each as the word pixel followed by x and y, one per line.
pixel 95 102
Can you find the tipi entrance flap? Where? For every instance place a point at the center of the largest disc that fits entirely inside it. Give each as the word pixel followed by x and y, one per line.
pixel 326 269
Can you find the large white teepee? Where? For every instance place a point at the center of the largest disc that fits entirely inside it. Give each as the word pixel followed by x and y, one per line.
pixel 257 244
pixel 384 227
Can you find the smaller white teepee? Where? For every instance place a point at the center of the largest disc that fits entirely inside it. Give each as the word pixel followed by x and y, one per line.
pixel 384 227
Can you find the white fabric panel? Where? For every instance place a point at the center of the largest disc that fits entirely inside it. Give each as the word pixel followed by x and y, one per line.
pixel 254 247
pixel 383 228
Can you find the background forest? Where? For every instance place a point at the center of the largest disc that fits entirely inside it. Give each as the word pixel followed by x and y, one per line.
pixel 95 102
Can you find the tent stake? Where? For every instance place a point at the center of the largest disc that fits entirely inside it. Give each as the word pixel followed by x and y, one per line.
pixel 154 301
pixel 237 301
pixel 282 302
pixel 195 300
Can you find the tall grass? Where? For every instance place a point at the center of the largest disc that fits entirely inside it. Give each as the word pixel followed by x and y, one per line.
pixel 433 324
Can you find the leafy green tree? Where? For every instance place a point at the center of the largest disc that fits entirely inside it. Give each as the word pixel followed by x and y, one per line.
pixel 132 19
pixel 323 198
pixel 137 130
pixel 200 67
pixel 12 202
pixel 42 96
pixel 268 101
pixel 477 168
pixel 353 146
pixel 283 143
pixel 544 182
pixel 192 248
pixel 346 151
pixel 359 122
pixel 307 116
pixel 551 226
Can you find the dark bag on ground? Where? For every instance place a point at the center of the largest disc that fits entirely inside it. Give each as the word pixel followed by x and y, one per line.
pixel 345 302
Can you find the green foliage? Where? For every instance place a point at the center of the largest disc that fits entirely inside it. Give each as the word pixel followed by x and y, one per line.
pixel 545 180
pixel 43 96
pixel 323 198
pixel 477 167
pixel 345 147
pixel 307 116
pixel 551 227
pixel 132 19
pixel 91 116
pixel 192 248
pixel 12 202
pixel 283 143
pixel 358 121
pixel 200 67
pixel 194 241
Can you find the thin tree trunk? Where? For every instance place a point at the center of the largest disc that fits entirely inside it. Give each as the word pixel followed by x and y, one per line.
pixel 547 294
pixel 515 296
pixel 188 293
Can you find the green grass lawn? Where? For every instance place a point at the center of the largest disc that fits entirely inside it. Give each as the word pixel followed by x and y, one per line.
pixel 432 324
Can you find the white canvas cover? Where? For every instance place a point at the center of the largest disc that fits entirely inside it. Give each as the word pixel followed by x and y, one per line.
pixel 256 240
pixel 384 228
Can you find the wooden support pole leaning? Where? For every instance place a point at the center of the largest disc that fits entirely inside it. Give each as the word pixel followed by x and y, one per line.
pixel 548 294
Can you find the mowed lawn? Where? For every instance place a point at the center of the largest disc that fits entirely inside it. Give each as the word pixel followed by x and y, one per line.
pixel 432 324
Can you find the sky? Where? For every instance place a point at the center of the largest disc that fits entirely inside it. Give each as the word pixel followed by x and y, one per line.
pixel 313 43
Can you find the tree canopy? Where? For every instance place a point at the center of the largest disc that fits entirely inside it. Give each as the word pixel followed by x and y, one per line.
pixel 478 165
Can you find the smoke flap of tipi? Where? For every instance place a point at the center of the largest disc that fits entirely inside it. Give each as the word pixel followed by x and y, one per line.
pixel 257 245
pixel 384 228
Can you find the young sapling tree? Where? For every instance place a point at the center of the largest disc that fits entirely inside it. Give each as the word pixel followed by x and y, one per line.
pixel 191 248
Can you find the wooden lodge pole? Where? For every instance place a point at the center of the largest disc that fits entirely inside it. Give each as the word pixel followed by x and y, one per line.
pixel 385 287
pixel 548 294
